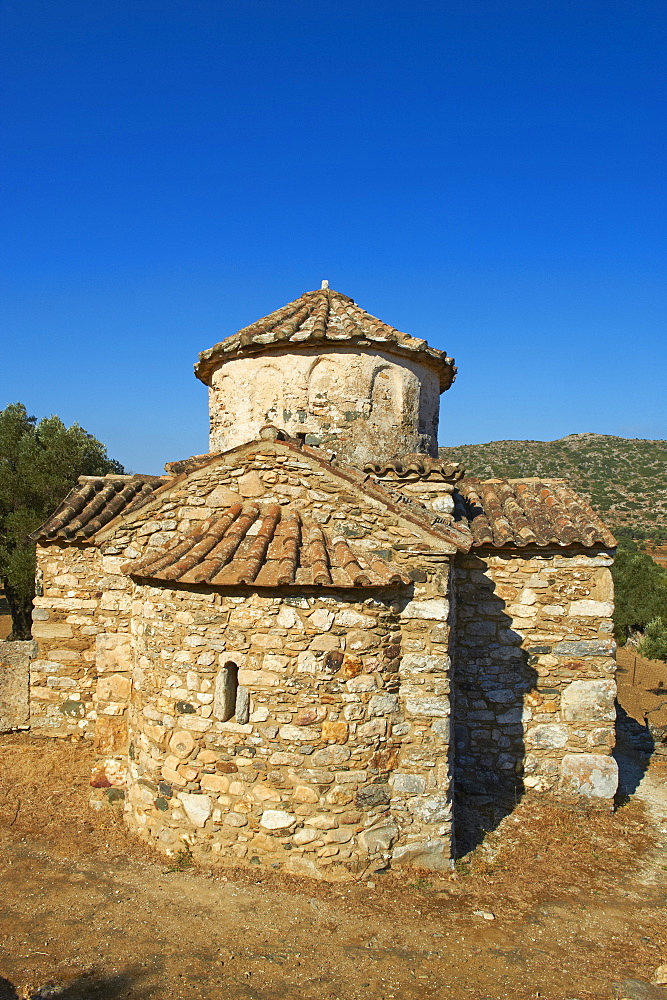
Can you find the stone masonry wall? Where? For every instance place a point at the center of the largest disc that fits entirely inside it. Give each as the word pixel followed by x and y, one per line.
pixel 342 757
pixel 82 605
pixel 364 405
pixel 534 679
pixel 15 658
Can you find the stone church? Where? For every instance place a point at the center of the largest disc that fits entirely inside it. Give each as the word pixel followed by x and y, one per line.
pixel 319 646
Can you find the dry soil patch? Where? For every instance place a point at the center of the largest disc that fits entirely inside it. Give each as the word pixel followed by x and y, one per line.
pixel 578 901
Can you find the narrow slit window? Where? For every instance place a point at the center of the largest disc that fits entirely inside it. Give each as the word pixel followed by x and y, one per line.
pixel 226 690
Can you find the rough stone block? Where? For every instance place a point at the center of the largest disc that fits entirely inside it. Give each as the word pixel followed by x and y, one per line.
pixel 182 744
pixel 114 687
pixel 298 734
pixel 435 609
pixel 382 704
pixel 424 663
pixel 585 647
pixel 222 496
pixel 378 839
pixel 548 736
pixel 352 619
pixel 108 773
pixel 46 630
pixel 113 652
pixel 435 808
pixel 408 784
pixel 110 735
pixel 590 774
pixel 334 731
pixel 431 853
pixel 258 678
pixel 14 678
pixel 591 609
pixel 427 708
pixel 330 756
pixel 197 807
pixel 441 729
pixel 589 701
pixel 277 819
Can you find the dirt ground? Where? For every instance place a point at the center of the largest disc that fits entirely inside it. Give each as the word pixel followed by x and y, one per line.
pixel 642 690
pixel 578 901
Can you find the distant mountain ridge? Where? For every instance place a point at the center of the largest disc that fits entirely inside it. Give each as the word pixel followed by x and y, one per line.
pixel 624 479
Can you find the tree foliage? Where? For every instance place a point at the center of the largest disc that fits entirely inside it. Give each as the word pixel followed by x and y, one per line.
pixel 640 587
pixel 39 465
pixel 653 645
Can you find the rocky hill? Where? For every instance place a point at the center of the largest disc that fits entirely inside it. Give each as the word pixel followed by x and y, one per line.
pixel 624 479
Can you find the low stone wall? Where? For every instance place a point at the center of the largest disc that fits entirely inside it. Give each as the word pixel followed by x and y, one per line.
pixel 81 597
pixel 534 678
pixel 340 757
pixel 15 660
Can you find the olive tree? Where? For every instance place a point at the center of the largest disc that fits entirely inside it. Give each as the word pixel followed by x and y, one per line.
pixel 39 463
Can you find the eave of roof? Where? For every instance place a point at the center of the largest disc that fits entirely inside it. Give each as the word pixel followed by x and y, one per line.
pixel 323 317
pixel 416 466
pixel 93 503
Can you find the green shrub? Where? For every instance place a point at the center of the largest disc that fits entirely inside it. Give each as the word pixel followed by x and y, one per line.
pixel 654 643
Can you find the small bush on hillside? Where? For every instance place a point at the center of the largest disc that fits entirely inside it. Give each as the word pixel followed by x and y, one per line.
pixel 653 645
pixel 640 587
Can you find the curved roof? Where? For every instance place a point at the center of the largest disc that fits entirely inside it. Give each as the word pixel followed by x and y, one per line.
pixel 324 317
pixel 94 502
pixel 518 513
pixel 416 466
pixel 269 546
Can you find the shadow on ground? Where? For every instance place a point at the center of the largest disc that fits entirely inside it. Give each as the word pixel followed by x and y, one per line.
pixel 632 753
pixel 91 986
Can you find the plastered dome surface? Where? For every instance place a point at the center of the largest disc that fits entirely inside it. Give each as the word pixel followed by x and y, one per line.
pixel 331 374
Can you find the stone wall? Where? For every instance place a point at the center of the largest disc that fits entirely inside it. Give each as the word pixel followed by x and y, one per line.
pixel 365 406
pixel 15 660
pixel 341 755
pixel 534 680
pixel 82 603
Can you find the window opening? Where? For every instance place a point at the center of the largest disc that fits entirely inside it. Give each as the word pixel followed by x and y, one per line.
pixel 226 690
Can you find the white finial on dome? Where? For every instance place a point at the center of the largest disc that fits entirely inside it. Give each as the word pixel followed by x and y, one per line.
pixel 325 284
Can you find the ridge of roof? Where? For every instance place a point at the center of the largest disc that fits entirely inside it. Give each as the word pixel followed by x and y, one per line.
pixel 416 466
pixel 268 546
pixel 323 316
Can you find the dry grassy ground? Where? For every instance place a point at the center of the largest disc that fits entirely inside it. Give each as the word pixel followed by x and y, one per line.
pixel 579 900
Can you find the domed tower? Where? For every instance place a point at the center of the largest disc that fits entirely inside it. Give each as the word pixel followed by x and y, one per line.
pixel 331 374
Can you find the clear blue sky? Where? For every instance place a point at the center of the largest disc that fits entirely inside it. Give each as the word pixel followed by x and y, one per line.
pixel 488 175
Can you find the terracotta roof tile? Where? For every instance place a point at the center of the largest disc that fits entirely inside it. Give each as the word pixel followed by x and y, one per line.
pixel 321 317
pixel 509 513
pixel 267 546
pixel 416 466
pixel 455 533
pixel 94 502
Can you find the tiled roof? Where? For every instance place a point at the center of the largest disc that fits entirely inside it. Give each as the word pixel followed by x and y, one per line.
pixel 416 467
pixel 509 513
pixel 324 317
pixel 94 502
pixel 267 546
pixel 452 532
